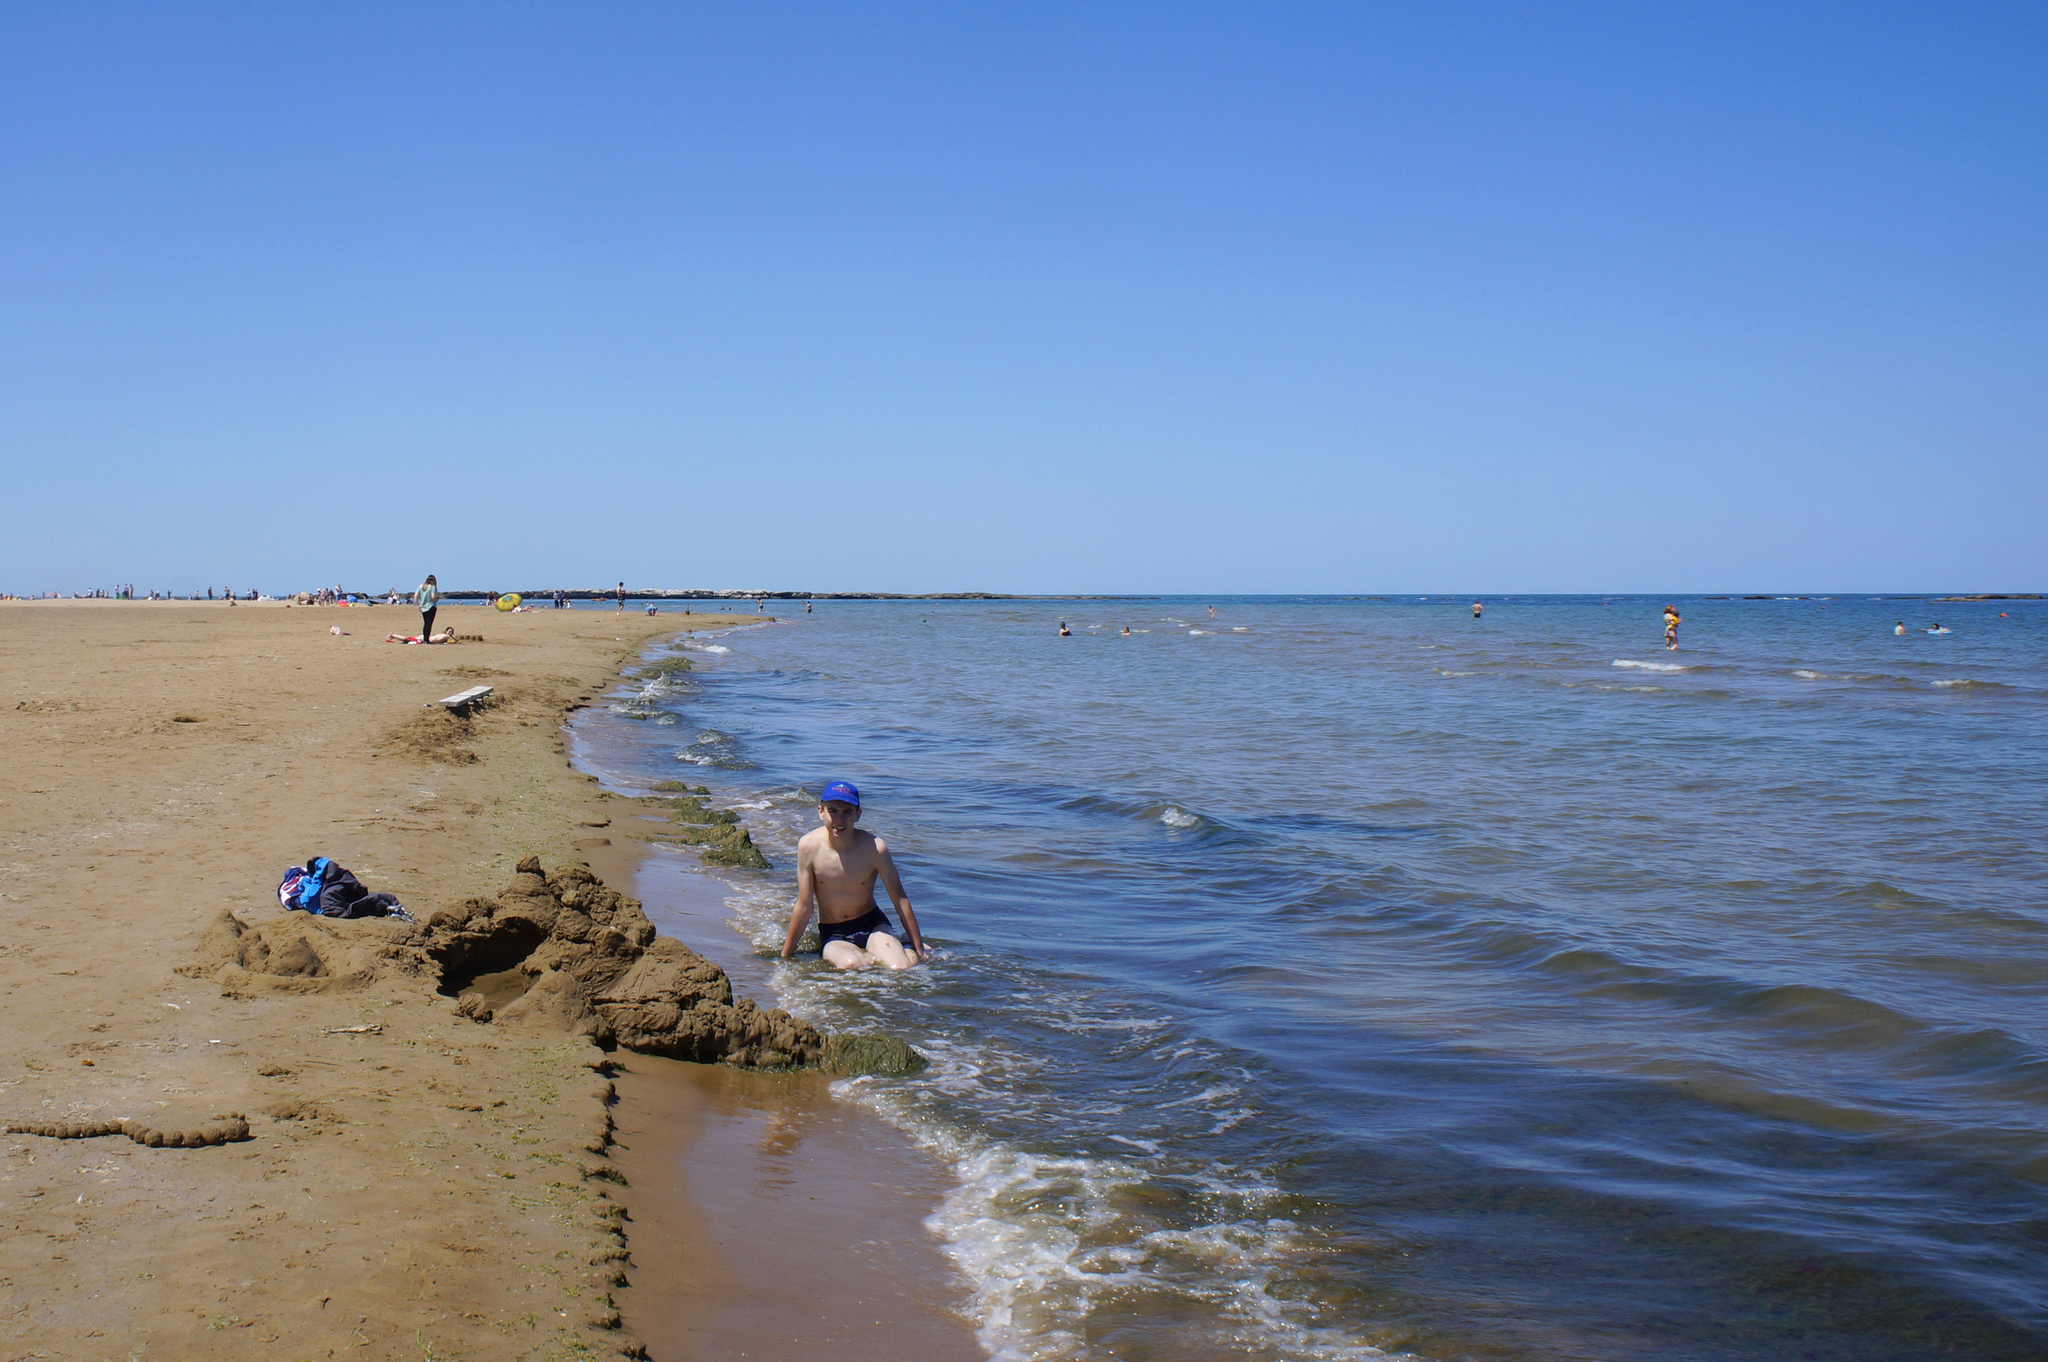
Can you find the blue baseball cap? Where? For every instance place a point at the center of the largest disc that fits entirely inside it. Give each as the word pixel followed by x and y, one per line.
pixel 842 791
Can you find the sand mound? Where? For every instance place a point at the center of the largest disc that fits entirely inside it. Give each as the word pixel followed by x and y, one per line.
pixel 435 734
pixel 217 1130
pixel 552 953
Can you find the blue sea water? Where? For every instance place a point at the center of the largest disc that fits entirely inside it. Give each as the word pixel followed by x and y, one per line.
pixel 1345 977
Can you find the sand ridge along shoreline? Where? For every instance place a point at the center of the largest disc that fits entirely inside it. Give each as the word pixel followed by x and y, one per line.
pixel 412 1183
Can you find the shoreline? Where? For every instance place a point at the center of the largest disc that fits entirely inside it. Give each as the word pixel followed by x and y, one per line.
pixel 768 1217
pixel 410 1180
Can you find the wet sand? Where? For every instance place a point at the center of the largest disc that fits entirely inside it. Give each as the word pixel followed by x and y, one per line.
pixel 770 1220
pixel 793 1220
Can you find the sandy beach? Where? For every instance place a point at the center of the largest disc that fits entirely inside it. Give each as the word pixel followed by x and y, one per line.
pixel 412 1183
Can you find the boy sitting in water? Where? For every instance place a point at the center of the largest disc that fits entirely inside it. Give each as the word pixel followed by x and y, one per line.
pixel 836 866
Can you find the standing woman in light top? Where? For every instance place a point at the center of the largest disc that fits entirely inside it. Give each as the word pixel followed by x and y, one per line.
pixel 427 598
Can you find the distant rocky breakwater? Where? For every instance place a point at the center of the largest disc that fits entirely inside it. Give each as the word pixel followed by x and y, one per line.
pixel 554 952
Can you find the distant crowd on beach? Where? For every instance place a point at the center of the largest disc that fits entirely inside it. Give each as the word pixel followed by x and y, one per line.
pixel 128 593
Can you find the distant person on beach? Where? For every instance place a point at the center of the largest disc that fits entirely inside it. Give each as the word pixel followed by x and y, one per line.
pixel 1064 631
pixel 622 598
pixel 836 869
pixel 807 607
pixel 1671 622
pixel 1477 609
pixel 428 599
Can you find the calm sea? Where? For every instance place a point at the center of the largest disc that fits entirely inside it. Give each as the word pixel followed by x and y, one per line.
pixel 1339 977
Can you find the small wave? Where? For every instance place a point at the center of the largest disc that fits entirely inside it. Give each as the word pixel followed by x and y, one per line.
pixel 1213 1093
pixel 1651 666
pixel 1176 817
pixel 716 648
pixel 1033 1235
pixel 1193 632
pixel 1442 672
pixel 1878 894
pixel 1805 675
pixel 1967 683
pixel 713 748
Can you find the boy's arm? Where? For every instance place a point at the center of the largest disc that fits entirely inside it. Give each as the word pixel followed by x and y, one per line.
pixel 800 916
pixel 894 884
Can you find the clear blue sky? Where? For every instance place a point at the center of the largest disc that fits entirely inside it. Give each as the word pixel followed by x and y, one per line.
pixel 1208 298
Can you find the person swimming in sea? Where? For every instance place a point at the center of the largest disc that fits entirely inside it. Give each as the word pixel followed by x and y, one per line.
pixel 1671 622
pixel 1900 629
pixel 1064 631
pixel 1477 609
pixel 1937 629
pixel 836 869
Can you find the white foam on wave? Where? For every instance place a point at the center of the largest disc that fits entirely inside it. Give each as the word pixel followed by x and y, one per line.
pixel 1218 1093
pixel 1036 1240
pixel 716 648
pixel 1440 671
pixel 1650 666
pixel 1805 675
pixel 1198 631
pixel 1176 817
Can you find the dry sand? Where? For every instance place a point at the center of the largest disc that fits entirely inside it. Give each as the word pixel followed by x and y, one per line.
pixel 428 1187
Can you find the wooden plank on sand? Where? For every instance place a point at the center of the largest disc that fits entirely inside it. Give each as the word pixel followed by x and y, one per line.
pixel 468 697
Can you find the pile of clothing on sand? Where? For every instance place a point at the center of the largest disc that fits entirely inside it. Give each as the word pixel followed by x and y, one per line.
pixel 320 886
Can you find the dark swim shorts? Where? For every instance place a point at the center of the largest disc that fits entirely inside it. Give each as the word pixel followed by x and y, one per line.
pixel 855 930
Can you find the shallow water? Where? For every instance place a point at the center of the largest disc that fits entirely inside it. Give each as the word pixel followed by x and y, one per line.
pixel 1338 976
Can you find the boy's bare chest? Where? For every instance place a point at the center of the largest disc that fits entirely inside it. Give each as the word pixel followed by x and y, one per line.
pixel 836 867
